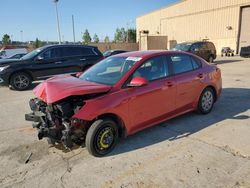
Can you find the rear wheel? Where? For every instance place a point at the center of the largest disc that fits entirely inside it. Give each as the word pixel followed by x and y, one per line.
pixel 206 101
pixel 102 137
pixel 20 81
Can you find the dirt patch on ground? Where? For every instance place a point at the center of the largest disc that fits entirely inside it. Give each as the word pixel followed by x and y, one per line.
pixel 31 152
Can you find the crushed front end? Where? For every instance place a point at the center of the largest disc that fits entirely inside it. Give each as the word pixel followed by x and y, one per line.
pixel 55 122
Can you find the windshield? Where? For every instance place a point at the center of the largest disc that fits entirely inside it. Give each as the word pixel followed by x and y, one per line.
pixel 109 71
pixel 31 54
pixel 182 47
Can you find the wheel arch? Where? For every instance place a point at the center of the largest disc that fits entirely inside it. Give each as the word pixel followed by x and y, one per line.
pixel 20 71
pixel 121 125
pixel 214 91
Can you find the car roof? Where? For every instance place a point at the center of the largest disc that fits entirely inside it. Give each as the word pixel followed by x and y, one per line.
pixel 149 53
pixel 68 45
pixel 194 42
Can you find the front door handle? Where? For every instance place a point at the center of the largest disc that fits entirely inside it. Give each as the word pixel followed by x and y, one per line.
pixel 58 62
pixel 84 59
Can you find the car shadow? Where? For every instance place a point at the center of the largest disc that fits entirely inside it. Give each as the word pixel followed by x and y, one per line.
pixel 229 106
pixel 33 85
pixel 220 62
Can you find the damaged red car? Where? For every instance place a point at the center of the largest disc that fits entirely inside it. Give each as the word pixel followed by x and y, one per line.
pixel 122 95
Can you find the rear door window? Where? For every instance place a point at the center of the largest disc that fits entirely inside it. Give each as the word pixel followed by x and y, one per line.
pixel 196 63
pixel 87 51
pixel 181 63
pixel 71 51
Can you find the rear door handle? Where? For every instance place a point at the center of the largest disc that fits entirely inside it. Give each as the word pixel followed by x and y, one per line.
pixel 58 62
pixel 200 76
pixel 169 84
pixel 84 59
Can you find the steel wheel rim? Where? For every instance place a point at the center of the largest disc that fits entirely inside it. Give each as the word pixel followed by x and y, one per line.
pixel 21 81
pixel 105 139
pixel 207 100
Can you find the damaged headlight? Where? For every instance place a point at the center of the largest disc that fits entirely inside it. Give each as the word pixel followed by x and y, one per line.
pixel 36 104
pixel 3 68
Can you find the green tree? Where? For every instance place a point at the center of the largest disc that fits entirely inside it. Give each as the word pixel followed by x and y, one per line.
pixel 131 35
pixel 123 35
pixel 86 37
pixel 120 35
pixel 37 43
pixel 6 39
pixel 96 38
pixel 106 39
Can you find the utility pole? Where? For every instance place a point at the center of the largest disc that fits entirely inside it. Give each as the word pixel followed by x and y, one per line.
pixel 58 24
pixel 21 32
pixel 73 26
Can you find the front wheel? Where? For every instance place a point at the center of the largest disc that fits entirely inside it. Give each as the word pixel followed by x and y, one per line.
pixel 101 137
pixel 20 81
pixel 206 101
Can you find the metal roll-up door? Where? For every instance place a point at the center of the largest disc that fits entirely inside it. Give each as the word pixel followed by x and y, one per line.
pixel 245 28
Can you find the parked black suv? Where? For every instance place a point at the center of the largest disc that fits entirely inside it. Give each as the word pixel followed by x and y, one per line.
pixel 204 49
pixel 46 62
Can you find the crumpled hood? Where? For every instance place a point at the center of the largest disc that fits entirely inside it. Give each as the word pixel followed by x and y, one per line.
pixel 60 87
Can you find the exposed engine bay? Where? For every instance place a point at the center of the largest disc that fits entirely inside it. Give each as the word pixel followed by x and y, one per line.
pixel 56 123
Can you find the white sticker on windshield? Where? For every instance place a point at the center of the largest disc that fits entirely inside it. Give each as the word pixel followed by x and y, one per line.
pixel 133 59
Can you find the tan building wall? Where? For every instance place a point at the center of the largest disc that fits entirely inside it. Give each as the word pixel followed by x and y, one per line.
pixel 116 46
pixel 192 20
pixel 153 42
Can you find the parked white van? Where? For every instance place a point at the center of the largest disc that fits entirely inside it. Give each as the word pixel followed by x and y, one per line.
pixel 7 52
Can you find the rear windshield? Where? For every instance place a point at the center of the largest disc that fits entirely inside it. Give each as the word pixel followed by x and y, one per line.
pixel 182 47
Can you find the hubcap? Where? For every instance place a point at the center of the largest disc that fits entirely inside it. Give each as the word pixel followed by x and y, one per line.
pixel 105 138
pixel 21 81
pixel 207 100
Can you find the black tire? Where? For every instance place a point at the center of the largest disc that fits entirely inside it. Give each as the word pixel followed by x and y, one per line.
pixel 96 134
pixel 20 81
pixel 206 101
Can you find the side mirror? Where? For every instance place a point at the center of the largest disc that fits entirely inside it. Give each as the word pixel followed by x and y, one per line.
pixel 138 82
pixel 40 58
pixel 196 49
pixel 79 74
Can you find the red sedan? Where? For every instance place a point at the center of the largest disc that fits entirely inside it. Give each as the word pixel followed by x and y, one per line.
pixel 122 95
